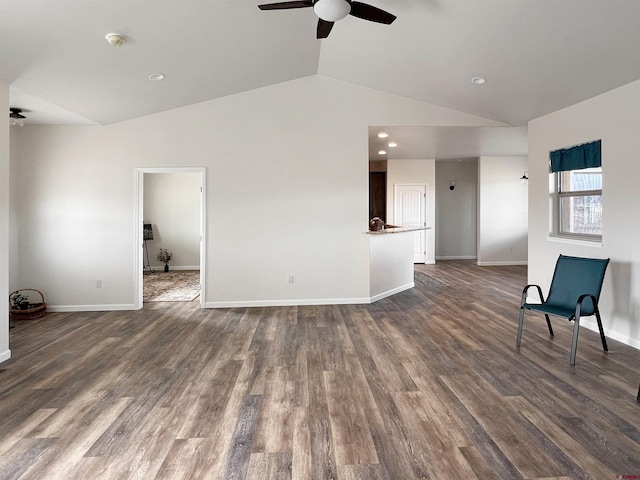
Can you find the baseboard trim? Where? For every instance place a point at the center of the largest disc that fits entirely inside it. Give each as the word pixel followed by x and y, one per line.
pixel 304 302
pixel 4 356
pixel 245 303
pixel 393 291
pixel 457 257
pixel 287 303
pixel 593 326
pixel 501 264
pixel 427 262
pixel 89 308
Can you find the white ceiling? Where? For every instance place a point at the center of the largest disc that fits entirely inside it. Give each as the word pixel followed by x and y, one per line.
pixel 538 56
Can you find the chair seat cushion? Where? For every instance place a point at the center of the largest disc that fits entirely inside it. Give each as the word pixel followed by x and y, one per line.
pixel 556 310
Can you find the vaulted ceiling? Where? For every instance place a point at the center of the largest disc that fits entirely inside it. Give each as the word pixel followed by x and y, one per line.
pixel 537 56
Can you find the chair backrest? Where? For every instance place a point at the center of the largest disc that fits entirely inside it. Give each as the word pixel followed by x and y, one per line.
pixel 573 277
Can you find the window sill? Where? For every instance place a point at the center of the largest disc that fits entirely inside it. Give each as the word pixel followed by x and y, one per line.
pixel 576 241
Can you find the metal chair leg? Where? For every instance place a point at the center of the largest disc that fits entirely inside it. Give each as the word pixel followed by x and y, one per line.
pixel 549 324
pixel 574 340
pixel 520 325
pixel 604 340
pixel 638 395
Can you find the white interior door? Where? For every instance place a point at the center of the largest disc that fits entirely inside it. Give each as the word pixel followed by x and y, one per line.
pixel 411 211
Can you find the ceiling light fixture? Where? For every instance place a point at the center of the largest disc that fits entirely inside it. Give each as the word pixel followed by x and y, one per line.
pixel 115 39
pixel 478 80
pixel 382 152
pixel 155 77
pixel 392 144
pixel 331 10
pixel 16 118
pixel 383 135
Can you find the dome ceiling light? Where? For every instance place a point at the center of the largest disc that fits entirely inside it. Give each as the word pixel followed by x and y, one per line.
pixel 331 10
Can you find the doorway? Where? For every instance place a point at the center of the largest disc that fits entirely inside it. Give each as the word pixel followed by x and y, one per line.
pixel 171 194
pixel 456 209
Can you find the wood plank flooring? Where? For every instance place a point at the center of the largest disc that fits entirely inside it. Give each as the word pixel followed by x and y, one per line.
pixel 425 384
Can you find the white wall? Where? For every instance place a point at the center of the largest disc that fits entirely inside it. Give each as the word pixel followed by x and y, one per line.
pixel 613 117
pixel 172 206
pixel 414 172
pixel 14 244
pixel 503 211
pixel 5 353
pixel 456 210
pixel 287 194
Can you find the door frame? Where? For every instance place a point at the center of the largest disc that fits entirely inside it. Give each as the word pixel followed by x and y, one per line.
pixel 138 267
pixel 424 210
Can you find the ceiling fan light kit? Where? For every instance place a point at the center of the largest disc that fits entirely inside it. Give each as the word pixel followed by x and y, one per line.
pixel 330 11
pixel 16 119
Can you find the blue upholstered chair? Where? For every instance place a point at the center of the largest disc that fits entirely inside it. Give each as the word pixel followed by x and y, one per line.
pixel 574 293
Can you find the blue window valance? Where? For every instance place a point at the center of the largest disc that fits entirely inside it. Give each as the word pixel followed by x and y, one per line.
pixel 587 155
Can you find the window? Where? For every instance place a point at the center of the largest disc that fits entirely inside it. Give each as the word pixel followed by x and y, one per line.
pixel 576 188
pixel 580 202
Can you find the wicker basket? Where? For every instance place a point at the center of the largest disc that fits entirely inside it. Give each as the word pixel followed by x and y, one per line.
pixel 35 310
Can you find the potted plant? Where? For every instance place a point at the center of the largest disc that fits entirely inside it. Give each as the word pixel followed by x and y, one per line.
pixel 19 301
pixel 24 306
pixel 164 256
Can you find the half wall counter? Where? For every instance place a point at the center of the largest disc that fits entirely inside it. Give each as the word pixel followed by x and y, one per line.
pixel 391 257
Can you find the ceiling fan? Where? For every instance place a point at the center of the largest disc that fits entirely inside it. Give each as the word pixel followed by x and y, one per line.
pixel 330 11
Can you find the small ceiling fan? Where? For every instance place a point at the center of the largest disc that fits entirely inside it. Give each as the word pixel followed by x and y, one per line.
pixel 330 11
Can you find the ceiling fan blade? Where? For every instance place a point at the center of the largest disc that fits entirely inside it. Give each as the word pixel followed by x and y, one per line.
pixel 371 13
pixel 286 5
pixel 324 28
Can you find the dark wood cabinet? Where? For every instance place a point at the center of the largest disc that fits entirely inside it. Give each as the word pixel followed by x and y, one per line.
pixel 378 195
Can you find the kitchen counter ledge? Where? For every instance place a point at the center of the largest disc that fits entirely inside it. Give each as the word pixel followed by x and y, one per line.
pixel 394 229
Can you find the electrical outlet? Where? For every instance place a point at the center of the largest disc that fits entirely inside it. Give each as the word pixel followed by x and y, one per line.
pixel 291 278
pixel 98 283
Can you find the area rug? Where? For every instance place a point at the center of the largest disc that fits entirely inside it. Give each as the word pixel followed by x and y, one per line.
pixel 172 286
pixel 424 280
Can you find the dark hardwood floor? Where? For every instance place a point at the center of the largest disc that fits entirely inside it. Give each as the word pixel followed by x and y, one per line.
pixel 425 384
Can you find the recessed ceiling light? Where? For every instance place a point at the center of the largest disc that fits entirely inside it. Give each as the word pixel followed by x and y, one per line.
pixel 383 135
pixel 478 80
pixel 392 144
pixel 154 77
pixel 382 152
